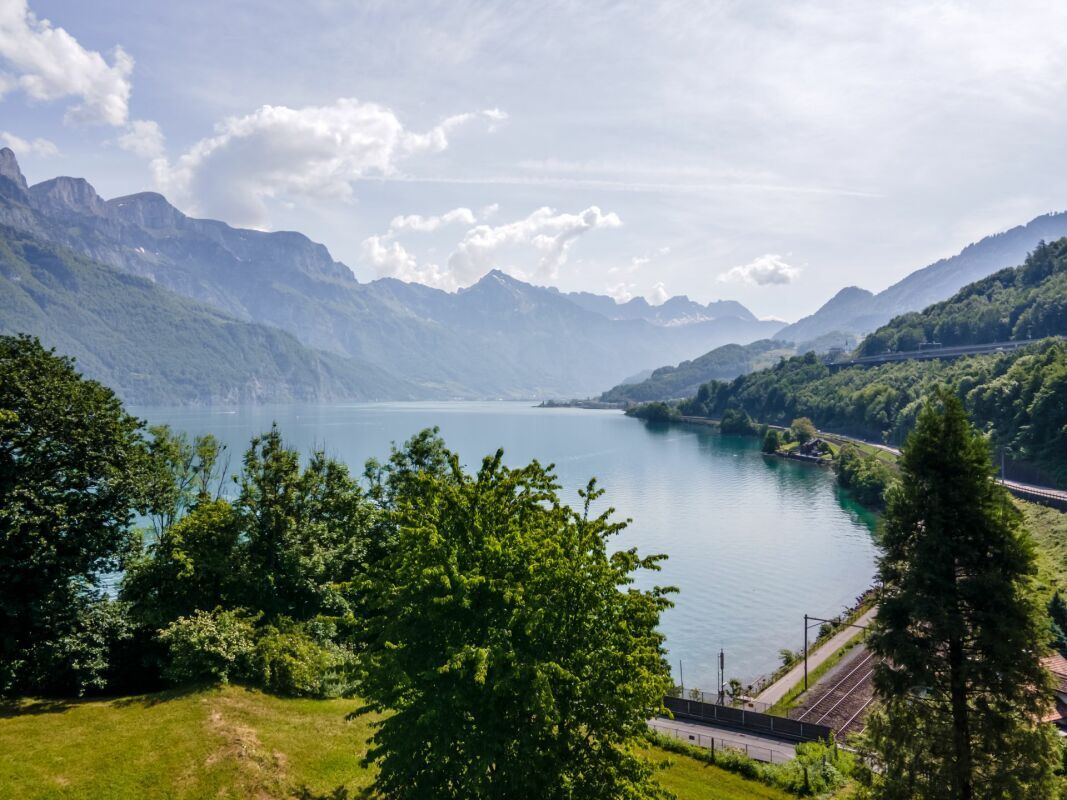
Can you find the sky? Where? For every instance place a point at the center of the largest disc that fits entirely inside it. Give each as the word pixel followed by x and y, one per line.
pixel 768 152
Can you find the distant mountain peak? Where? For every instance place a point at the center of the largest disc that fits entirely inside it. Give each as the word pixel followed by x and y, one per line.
pixel 65 194
pixel 9 168
pixel 150 209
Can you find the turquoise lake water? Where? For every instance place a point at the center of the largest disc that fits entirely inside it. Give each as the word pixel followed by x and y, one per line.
pixel 754 542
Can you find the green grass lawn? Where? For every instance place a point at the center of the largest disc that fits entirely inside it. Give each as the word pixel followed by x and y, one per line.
pixel 228 743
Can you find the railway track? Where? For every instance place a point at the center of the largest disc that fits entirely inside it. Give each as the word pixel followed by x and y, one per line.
pixel 842 705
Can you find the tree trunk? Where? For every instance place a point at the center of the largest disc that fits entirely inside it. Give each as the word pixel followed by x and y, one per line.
pixel 961 731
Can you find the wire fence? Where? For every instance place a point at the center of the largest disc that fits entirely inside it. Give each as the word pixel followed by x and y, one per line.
pixel 724 743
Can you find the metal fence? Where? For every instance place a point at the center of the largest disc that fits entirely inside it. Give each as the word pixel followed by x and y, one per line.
pixel 712 698
pixel 748 721
pixel 721 743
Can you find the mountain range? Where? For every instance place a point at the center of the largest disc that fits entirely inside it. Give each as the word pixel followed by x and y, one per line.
pixel 287 300
pixel 500 337
pixel 858 311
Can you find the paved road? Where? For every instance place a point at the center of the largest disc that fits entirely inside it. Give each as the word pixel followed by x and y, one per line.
pixel 777 690
pixel 761 748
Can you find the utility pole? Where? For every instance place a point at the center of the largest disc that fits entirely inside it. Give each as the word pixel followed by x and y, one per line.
pixel 805 652
pixel 681 676
pixel 722 677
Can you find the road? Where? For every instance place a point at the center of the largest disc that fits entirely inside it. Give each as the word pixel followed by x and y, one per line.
pixel 777 690
pixel 761 748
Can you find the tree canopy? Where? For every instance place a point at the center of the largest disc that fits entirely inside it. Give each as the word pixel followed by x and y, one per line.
pixel 71 474
pixel 510 647
pixel 959 631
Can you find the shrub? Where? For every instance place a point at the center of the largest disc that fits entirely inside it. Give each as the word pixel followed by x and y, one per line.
pixel 736 421
pixel 865 476
pixel 771 442
pixel 289 661
pixel 209 645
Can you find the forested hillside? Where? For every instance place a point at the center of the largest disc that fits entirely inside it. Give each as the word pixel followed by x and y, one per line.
pixel 155 346
pixel 1020 398
pixel 722 363
pixel 1027 302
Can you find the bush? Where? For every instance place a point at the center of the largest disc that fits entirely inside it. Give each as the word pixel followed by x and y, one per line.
pixel 736 421
pixel 292 662
pixel 209 646
pixel 865 476
pixel 771 442
pixel 655 412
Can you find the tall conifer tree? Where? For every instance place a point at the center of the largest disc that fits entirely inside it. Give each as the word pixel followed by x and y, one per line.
pixel 959 630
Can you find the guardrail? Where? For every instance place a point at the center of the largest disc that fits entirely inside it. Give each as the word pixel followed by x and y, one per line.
pixel 748 721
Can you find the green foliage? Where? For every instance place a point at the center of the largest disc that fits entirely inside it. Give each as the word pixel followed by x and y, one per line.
pixel 1026 302
pixel 1057 612
pixel 1020 398
pixel 959 628
pixel 722 363
pixel 71 471
pixel 510 648
pixel 655 412
pixel 304 532
pixel 290 661
pixel 819 767
pixel 181 473
pixel 803 430
pixel 196 564
pixel 209 646
pixel 735 421
pixel 770 441
pixel 865 475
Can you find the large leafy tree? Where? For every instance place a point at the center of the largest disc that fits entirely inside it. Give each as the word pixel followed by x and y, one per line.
pixel 514 655
pixel 959 629
pixel 71 471
pixel 304 530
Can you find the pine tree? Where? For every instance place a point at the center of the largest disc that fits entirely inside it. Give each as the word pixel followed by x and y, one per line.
pixel 959 630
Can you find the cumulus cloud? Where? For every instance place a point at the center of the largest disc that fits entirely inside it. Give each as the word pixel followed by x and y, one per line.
pixel 391 260
pixel 279 152
pixel 767 270
pixel 546 234
pixel 421 224
pixel 659 294
pixel 37 147
pixel 549 232
pixel 621 292
pixel 143 138
pixel 47 63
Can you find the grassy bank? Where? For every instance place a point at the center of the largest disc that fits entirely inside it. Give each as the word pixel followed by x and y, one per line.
pixel 229 743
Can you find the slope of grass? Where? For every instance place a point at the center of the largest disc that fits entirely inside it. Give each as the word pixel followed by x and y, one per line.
pixel 229 742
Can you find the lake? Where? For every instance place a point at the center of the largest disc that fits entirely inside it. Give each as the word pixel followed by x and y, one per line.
pixel 754 542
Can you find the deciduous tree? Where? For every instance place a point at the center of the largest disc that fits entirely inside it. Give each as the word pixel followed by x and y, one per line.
pixel 510 648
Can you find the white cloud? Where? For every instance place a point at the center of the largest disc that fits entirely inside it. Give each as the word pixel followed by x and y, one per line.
pixel 47 63
pixel 391 260
pixel 143 138
pixel 545 232
pixel 421 224
pixel 621 292
pixel 37 147
pixel 278 152
pixel 769 269
pixel 659 294
pixel 550 233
